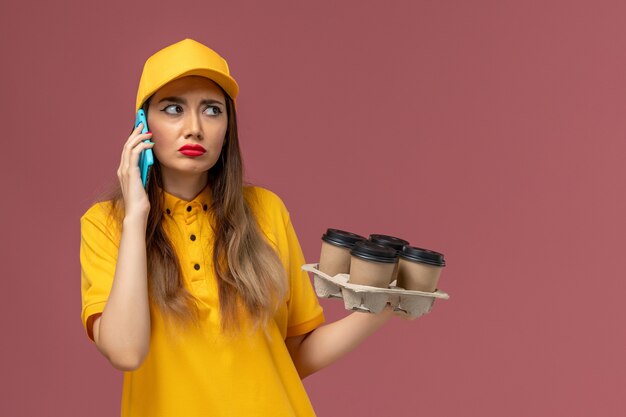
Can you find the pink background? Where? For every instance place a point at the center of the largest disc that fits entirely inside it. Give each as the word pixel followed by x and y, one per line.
pixel 492 131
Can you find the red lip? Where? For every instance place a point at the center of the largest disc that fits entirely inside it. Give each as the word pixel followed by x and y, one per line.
pixel 192 150
pixel 192 147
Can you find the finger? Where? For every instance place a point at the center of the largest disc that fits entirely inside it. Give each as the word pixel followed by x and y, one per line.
pixel 131 144
pixel 131 139
pixel 136 135
pixel 136 130
pixel 137 147
pixel 134 159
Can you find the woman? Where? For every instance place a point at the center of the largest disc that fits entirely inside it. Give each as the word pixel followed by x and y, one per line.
pixel 193 285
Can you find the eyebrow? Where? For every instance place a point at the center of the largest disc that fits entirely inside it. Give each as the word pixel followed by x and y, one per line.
pixel 180 100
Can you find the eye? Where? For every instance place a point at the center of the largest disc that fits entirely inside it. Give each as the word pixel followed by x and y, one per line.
pixel 216 110
pixel 170 106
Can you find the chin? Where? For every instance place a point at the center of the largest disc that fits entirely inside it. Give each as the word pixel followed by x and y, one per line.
pixel 187 169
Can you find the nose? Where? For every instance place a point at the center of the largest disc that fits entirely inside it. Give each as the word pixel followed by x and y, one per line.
pixel 193 127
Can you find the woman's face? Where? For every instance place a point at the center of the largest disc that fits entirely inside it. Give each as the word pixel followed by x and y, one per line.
pixel 189 111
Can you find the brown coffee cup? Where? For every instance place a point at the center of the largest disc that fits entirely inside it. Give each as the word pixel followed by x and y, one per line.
pixel 335 255
pixel 419 269
pixel 372 264
pixel 393 242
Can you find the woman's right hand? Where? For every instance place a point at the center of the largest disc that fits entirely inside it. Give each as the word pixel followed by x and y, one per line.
pixel 136 201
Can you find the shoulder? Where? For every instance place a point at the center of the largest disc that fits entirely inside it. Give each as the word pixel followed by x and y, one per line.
pixel 262 199
pixel 269 210
pixel 101 216
pixel 100 210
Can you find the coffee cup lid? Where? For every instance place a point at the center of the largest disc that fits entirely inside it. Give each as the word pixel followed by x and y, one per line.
pixel 368 250
pixel 426 256
pixel 387 240
pixel 341 238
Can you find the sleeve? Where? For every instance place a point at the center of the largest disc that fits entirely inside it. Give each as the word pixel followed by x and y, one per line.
pixel 304 310
pixel 98 258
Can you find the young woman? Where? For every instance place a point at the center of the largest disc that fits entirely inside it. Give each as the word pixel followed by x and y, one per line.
pixel 193 286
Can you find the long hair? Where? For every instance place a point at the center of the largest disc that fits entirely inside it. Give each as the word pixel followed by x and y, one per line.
pixel 250 274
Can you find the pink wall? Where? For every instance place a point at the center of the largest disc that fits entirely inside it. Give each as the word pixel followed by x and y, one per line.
pixel 492 131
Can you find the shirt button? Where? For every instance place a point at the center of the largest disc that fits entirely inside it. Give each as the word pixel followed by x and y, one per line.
pixel 196 267
pixel 192 237
pixel 188 208
pixel 204 207
pixel 168 211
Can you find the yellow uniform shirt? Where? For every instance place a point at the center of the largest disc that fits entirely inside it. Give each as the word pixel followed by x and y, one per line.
pixel 200 373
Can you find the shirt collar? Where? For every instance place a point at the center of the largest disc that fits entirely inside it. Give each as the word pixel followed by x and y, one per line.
pixel 177 206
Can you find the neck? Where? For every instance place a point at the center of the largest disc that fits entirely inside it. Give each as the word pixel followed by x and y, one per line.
pixel 185 186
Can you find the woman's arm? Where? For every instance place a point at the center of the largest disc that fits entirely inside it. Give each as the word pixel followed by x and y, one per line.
pixel 122 332
pixel 328 343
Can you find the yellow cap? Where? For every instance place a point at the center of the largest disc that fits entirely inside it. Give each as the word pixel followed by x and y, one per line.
pixel 187 57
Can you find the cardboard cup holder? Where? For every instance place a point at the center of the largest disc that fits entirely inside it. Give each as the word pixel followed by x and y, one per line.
pixel 410 304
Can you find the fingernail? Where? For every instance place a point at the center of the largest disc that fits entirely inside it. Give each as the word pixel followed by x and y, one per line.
pixel 148 132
